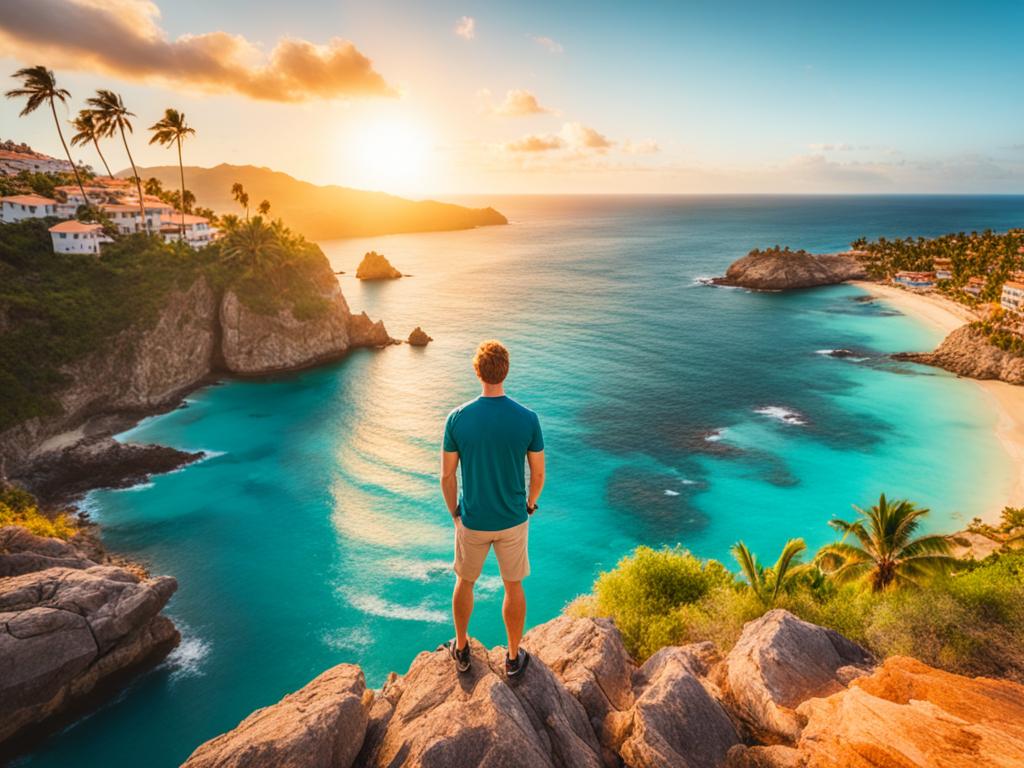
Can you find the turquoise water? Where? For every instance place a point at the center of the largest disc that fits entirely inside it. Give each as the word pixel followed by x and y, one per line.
pixel 673 412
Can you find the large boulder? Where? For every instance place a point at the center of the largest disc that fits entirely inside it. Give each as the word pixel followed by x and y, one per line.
pixel 968 352
pixel 68 628
pixel 375 266
pixel 590 659
pixel 777 270
pixel 906 714
pixel 419 338
pixel 675 722
pixel 319 726
pixel 778 663
pixel 440 719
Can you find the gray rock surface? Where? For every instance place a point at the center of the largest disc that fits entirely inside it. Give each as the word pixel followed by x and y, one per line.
pixel 782 270
pixel 780 662
pixel 68 626
pixel 319 726
pixel 967 352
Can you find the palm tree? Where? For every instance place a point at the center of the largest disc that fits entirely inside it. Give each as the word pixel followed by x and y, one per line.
pixel 888 554
pixel 241 197
pixel 252 243
pixel 38 87
pixel 769 583
pixel 264 208
pixel 88 132
pixel 154 186
pixel 111 117
pixel 171 129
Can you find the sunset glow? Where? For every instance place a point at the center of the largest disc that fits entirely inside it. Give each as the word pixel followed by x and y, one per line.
pixel 389 154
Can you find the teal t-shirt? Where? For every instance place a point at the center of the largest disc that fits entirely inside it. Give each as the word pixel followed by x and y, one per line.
pixel 492 436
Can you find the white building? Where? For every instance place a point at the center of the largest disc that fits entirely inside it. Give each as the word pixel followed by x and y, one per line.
pixel 77 237
pixel 21 207
pixel 13 162
pixel 198 231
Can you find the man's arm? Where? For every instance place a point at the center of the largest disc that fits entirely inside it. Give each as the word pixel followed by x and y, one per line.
pixel 450 481
pixel 536 462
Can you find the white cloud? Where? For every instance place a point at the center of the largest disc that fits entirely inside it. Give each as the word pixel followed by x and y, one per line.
pixel 518 103
pixel 535 143
pixel 553 46
pixel 580 136
pixel 465 27
pixel 643 147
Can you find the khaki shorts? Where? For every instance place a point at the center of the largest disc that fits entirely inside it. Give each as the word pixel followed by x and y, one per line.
pixel 510 547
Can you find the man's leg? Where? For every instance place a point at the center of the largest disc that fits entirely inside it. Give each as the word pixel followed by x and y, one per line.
pixel 513 610
pixel 462 609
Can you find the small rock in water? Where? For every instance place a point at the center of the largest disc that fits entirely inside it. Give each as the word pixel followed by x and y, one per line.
pixel 841 353
pixel 375 266
pixel 419 338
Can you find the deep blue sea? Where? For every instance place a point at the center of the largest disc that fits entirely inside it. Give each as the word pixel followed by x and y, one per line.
pixel 673 413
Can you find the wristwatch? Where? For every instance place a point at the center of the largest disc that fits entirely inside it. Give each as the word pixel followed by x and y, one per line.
pixel 530 510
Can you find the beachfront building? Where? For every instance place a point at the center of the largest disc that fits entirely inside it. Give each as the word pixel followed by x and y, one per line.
pixel 21 207
pixel 198 231
pixel 943 269
pixel 77 237
pixel 974 286
pixel 1012 296
pixel 15 158
pixel 914 280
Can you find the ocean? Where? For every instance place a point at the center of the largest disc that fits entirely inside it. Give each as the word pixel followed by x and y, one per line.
pixel 674 412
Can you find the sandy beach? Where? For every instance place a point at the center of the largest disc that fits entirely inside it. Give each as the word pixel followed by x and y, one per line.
pixel 1007 399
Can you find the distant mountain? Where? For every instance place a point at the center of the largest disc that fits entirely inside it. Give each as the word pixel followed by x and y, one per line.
pixel 320 212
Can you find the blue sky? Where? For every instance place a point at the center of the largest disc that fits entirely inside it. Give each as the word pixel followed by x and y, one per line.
pixel 689 97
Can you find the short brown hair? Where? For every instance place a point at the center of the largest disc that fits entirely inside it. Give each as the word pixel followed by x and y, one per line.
pixel 491 362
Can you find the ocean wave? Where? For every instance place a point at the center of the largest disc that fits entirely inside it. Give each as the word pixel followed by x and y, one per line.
pixel 671 493
pixel 378 606
pixel 188 659
pixel 780 413
pixel 418 570
pixel 145 485
pixel 348 639
pixel 715 435
pixel 842 354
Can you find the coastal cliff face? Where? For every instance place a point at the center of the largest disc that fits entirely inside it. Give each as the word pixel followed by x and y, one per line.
pixel 789 695
pixel 197 334
pixel 967 352
pixel 778 270
pixel 70 624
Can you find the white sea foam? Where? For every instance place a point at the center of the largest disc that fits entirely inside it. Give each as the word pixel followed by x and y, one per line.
pixel 671 493
pixel 378 606
pixel 188 659
pixel 348 639
pixel 684 481
pixel 779 413
pixel 716 435
pixel 488 584
pixel 418 570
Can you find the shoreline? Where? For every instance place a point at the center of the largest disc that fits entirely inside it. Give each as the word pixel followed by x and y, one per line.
pixel 1007 400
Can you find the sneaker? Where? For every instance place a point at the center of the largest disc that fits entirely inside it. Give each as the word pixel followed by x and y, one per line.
pixel 462 658
pixel 514 667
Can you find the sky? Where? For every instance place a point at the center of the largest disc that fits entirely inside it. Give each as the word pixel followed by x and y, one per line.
pixel 442 98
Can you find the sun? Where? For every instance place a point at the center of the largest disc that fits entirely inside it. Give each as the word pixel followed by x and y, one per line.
pixel 389 154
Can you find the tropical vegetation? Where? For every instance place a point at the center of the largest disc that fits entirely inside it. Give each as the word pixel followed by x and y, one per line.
pixel 172 129
pixel 112 117
pixel 19 507
pixel 965 616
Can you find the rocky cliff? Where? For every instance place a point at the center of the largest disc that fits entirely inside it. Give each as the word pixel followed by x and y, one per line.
pixel 777 270
pixel 789 695
pixel 967 352
pixel 71 623
pixel 198 334
pixel 375 266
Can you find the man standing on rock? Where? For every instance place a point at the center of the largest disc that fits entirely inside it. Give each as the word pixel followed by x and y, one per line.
pixel 492 437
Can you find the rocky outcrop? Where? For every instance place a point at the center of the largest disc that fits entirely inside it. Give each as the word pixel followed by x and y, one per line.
pixel 319 726
pixel 196 335
pixel 905 714
pixel 419 337
pixel 815 697
pixel 778 270
pixel 375 266
pixel 968 352
pixel 69 625
pixel 779 662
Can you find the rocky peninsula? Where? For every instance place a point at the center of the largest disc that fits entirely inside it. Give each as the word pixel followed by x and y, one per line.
pixel 73 624
pixel 779 269
pixel 967 351
pixel 788 695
